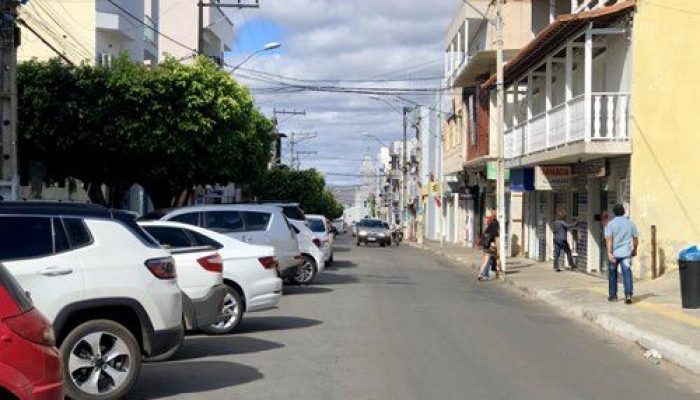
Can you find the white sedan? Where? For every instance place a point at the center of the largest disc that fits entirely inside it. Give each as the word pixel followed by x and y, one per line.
pixel 250 271
pixel 321 228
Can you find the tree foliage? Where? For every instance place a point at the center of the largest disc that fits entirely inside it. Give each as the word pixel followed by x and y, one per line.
pixel 306 187
pixel 167 128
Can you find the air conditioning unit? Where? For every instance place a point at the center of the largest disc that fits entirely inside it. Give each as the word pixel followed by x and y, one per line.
pixel 106 60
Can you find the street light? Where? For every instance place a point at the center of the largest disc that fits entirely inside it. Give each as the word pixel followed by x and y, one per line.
pixel 267 47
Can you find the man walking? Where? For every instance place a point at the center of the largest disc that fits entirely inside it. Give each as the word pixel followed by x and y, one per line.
pixel 561 241
pixel 622 240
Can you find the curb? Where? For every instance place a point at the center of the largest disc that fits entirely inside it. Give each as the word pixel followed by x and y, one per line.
pixel 677 353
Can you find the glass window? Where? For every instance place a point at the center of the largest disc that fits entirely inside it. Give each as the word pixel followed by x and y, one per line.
pixel 78 234
pixel 60 237
pixel 316 225
pixel 129 220
pixel 23 237
pixel 256 221
pixel 13 288
pixel 223 221
pixel 293 212
pixel 187 218
pixel 172 237
pixel 202 240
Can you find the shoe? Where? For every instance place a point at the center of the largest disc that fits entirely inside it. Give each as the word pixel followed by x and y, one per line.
pixel 574 268
pixel 628 300
pixel 557 269
pixel 612 299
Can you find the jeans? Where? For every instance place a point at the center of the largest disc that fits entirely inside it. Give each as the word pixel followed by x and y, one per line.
pixel 491 265
pixel 626 266
pixel 560 246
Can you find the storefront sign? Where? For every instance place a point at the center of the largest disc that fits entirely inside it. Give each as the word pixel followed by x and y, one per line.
pixel 551 177
pixel 594 169
pixel 492 171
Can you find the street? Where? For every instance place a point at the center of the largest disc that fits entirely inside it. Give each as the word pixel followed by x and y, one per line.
pixel 398 323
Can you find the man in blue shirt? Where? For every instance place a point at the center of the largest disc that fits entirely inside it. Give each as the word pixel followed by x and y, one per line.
pixel 622 240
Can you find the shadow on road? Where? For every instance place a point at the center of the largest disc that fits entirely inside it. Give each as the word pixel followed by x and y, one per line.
pixel 175 378
pixel 338 264
pixel 209 346
pixel 329 278
pixel 340 249
pixel 260 324
pixel 290 290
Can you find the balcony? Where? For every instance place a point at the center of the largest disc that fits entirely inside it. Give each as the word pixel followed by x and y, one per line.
pixel 567 130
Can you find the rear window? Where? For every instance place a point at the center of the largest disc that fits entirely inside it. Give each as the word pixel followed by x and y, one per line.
pixel 201 240
pixel 78 234
pixel 293 212
pixel 172 237
pixel 25 237
pixel 256 221
pixel 316 225
pixel 13 288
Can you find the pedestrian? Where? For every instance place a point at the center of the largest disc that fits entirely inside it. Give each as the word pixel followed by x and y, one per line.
pixel 490 247
pixel 561 240
pixel 622 240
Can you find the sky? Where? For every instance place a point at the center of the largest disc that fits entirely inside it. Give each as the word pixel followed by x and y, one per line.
pixel 351 40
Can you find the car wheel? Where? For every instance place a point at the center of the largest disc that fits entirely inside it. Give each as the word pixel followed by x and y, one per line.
pixel 102 360
pixel 168 354
pixel 330 260
pixel 382 244
pixel 306 272
pixel 233 307
pixel 357 243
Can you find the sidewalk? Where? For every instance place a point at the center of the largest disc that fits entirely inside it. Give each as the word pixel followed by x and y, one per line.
pixel 655 321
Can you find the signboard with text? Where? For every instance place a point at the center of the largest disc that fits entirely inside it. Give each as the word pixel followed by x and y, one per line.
pixel 552 177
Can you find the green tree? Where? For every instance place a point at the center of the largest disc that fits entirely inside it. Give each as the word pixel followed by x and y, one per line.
pixel 306 187
pixel 166 128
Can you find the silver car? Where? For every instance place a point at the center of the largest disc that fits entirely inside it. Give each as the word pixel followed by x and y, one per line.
pixel 373 231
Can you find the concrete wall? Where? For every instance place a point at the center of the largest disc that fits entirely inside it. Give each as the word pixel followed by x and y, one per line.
pixel 665 179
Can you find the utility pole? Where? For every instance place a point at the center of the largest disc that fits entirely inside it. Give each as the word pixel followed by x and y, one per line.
pixel 9 174
pixel 500 117
pixel 421 207
pixel 215 3
pixel 291 113
pixel 404 162
pixel 293 142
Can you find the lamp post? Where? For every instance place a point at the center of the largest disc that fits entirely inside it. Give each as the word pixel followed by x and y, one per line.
pixel 267 47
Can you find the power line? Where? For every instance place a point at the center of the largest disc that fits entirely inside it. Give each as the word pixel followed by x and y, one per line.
pixel 46 42
pixel 427 78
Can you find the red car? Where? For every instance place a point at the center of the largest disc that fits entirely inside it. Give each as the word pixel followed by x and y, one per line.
pixel 30 366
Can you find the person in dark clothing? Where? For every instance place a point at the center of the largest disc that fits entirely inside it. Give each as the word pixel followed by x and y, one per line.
pixel 490 248
pixel 561 242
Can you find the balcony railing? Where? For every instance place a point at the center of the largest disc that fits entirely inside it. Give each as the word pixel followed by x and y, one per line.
pixel 566 124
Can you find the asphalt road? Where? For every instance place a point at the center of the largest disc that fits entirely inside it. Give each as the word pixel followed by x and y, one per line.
pixel 399 323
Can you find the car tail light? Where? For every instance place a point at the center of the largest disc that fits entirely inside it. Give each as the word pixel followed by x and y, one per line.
pixel 162 268
pixel 212 263
pixel 33 326
pixel 268 262
pixel 317 242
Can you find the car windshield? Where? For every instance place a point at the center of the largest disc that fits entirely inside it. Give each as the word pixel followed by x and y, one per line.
pixel 316 225
pixel 370 224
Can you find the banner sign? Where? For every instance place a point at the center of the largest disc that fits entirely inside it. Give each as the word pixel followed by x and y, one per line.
pixel 492 171
pixel 552 177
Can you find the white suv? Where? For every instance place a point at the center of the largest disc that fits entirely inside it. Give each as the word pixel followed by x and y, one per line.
pixel 252 224
pixel 107 286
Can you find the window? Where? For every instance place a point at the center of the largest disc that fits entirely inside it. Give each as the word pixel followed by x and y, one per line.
pixel 129 220
pixel 256 221
pixel 293 212
pixel 78 234
pixel 317 225
pixel 172 237
pixel 60 237
pixel 187 218
pixel 202 240
pixel 24 237
pixel 223 221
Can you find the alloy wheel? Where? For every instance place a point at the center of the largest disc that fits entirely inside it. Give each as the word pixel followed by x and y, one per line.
pixel 99 363
pixel 305 272
pixel 230 308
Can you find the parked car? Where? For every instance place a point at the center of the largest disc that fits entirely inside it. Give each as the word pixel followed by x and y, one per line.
pixel 30 365
pixel 322 230
pixel 109 289
pixel 249 271
pixel 354 228
pixel 253 224
pixel 340 225
pixel 373 231
pixel 312 259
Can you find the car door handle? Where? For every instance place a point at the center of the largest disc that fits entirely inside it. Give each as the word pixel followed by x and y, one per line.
pixel 56 271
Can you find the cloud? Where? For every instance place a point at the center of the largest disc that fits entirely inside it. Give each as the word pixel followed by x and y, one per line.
pixel 332 39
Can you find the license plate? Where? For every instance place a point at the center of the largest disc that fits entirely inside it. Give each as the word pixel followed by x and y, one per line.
pixel 372 239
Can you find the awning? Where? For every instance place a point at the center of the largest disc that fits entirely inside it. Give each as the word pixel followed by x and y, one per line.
pixel 556 34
